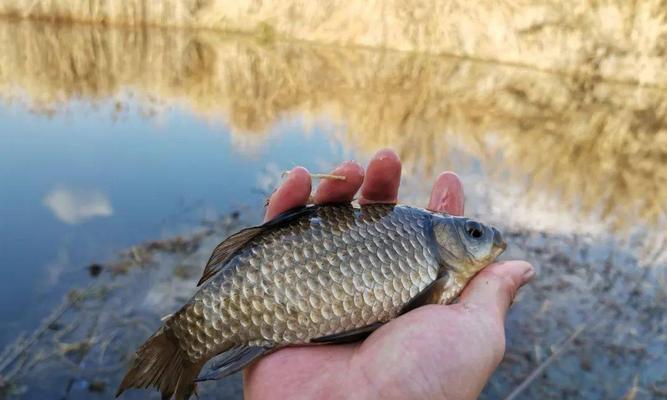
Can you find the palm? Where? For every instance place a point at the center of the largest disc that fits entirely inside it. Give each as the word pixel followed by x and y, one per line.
pixel 431 352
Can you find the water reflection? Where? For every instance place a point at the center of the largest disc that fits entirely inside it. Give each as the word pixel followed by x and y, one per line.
pixel 76 206
pixel 599 147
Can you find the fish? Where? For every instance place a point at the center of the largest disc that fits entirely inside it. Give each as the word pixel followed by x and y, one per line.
pixel 319 274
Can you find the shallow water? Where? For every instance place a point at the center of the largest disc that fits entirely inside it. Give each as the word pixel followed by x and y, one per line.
pixel 114 136
pixel 75 190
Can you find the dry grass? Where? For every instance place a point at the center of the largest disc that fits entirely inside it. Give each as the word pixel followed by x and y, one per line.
pixel 600 146
pixel 614 39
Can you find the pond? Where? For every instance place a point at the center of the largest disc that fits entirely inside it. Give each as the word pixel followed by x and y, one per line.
pixel 112 137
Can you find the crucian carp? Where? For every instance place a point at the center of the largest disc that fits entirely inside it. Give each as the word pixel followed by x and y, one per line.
pixel 313 275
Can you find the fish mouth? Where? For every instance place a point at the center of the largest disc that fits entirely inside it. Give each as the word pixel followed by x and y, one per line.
pixel 498 240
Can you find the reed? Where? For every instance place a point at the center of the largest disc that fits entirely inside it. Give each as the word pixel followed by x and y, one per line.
pixel 599 147
pixel 613 39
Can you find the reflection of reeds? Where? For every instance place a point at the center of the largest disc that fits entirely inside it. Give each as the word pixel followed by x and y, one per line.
pixel 614 39
pixel 599 146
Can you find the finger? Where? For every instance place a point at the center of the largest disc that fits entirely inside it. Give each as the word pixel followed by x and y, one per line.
pixel 494 288
pixel 447 194
pixel 293 192
pixel 340 191
pixel 383 176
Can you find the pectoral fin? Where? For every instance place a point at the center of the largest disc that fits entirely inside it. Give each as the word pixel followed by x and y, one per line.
pixel 350 336
pixel 429 295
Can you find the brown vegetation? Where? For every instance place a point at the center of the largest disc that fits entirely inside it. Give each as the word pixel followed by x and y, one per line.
pixel 613 39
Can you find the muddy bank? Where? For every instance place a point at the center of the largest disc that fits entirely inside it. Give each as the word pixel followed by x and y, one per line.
pixel 592 323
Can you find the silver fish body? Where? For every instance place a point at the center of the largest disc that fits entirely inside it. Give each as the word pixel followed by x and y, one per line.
pixel 320 274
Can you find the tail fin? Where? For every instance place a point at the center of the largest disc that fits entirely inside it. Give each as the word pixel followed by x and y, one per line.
pixel 161 363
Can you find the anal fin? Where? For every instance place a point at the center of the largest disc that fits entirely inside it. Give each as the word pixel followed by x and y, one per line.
pixel 233 361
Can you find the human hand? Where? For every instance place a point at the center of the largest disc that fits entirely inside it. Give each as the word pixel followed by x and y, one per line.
pixel 432 352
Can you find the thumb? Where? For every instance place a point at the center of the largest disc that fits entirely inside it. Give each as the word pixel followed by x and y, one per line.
pixel 495 286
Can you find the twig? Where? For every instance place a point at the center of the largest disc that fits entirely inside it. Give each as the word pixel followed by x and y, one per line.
pixel 328 176
pixel 658 390
pixel 322 176
pixel 556 353
pixel 37 334
pixel 634 389
pixel 105 344
pixel 7 351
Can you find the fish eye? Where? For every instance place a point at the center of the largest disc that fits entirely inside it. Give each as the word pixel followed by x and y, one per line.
pixel 474 229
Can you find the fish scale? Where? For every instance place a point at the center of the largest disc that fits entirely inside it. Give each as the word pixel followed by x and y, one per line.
pixel 292 307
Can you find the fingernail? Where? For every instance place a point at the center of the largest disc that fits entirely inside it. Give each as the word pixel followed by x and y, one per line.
pixel 349 164
pixel 447 195
pixel 292 171
pixel 528 274
pixel 380 155
pixel 286 174
pixel 384 154
pixel 445 200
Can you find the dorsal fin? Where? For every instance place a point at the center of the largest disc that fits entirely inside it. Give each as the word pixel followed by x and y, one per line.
pixel 228 247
